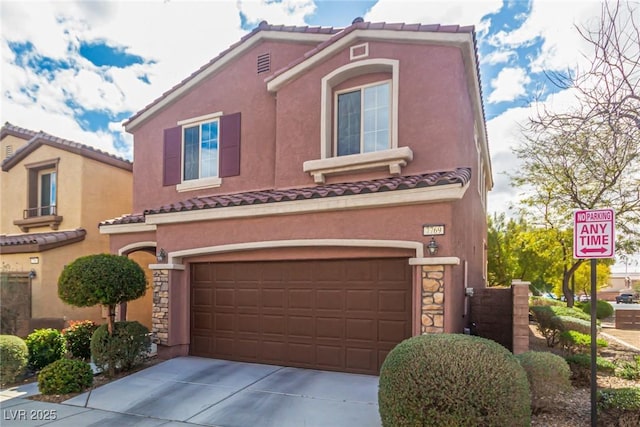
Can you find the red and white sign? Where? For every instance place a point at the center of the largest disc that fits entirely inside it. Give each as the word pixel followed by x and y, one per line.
pixel 594 234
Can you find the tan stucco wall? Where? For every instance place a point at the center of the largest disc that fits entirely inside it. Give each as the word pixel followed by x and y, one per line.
pixel 141 308
pixel 13 141
pixel 88 192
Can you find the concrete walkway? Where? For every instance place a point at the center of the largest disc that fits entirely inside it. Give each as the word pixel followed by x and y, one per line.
pixel 197 391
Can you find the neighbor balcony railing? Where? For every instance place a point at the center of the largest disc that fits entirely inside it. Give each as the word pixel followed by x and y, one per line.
pixel 39 211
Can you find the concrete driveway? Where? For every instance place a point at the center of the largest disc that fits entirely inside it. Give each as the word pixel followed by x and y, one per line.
pixel 192 390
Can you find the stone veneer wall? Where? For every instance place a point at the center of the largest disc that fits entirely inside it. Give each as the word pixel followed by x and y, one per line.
pixel 432 299
pixel 160 315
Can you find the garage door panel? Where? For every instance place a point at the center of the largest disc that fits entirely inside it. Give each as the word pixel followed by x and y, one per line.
pixel 301 298
pixel 390 330
pixel 342 315
pixel 224 297
pixel 361 359
pixel 224 322
pixel 361 300
pixel 327 327
pixel 273 298
pixel 361 329
pixel 392 301
pixel 301 353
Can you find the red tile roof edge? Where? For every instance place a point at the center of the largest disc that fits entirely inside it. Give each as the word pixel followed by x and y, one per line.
pixel 37 242
pixel 40 137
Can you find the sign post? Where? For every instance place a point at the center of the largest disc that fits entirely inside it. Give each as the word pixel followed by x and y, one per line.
pixel 593 238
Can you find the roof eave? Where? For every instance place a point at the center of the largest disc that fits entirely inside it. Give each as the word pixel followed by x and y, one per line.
pixel 216 64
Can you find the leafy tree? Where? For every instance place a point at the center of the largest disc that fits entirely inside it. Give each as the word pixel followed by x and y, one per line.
pixel 588 156
pixel 582 277
pixel 101 279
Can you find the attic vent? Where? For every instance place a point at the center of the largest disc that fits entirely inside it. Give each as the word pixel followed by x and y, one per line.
pixel 264 63
pixel 8 151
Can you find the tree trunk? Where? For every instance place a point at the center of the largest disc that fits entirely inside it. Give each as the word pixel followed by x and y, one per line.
pixel 111 319
pixel 566 277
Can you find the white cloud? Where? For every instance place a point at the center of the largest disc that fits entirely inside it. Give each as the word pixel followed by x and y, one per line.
pixel 509 85
pixel 289 12
pixel 498 57
pixel 449 12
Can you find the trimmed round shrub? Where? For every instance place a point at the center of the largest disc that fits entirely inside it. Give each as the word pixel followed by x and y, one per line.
pixel 14 356
pixel 65 376
pixel 580 365
pixel 577 342
pixel 603 309
pixel 453 380
pixel 45 347
pixel 77 338
pixel 127 347
pixel 549 376
pixel 573 324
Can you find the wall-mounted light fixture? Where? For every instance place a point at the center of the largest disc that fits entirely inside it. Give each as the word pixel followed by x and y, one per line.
pixel 32 274
pixel 34 260
pixel 432 246
pixel 161 256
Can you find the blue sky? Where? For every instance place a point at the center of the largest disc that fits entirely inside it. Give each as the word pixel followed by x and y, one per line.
pixel 78 69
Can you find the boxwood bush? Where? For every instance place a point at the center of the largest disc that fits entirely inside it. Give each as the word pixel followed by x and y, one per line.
pixel 127 347
pixel 619 407
pixel 65 376
pixel 603 309
pixel 77 338
pixel 549 376
pixel 453 380
pixel 580 365
pixel 45 347
pixel 14 356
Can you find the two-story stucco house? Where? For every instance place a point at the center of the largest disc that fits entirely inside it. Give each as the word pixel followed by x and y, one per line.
pixel 55 192
pixel 315 195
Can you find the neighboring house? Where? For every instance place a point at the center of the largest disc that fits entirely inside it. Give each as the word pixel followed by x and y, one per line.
pixel 294 186
pixel 619 283
pixel 54 194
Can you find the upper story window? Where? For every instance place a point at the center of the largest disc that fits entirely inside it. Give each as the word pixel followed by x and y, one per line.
pixel 359 125
pixel 47 189
pixel 362 119
pixel 42 196
pixel 200 151
pixel 200 148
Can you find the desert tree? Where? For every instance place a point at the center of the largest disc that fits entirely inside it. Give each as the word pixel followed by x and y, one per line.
pixel 102 279
pixel 587 156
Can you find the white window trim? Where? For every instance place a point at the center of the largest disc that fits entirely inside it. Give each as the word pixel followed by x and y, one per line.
pixel 354 69
pixel 360 88
pixel 394 158
pixel 199 183
pixel 353 49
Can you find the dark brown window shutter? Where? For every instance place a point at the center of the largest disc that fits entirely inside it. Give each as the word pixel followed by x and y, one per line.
pixel 172 158
pixel 229 145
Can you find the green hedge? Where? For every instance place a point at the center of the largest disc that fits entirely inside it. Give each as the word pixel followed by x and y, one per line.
pixel 45 347
pixel 548 374
pixel 127 347
pixel 453 380
pixel 65 376
pixel 14 356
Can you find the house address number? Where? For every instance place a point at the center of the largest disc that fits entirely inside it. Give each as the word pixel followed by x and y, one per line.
pixel 433 229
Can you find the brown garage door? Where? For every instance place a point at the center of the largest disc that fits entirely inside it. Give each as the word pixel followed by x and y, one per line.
pixel 342 315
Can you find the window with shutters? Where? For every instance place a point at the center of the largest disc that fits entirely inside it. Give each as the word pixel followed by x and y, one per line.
pixel 199 152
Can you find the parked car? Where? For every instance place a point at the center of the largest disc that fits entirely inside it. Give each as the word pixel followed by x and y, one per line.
pixel 584 298
pixel 625 299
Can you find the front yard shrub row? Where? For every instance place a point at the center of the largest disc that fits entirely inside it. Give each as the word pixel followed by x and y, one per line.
pixel 128 346
pixel 603 309
pixel 548 374
pixel 77 338
pixel 619 407
pixel 580 365
pixel 629 370
pixel 577 342
pixel 14 356
pixel 453 380
pixel 552 321
pixel 65 376
pixel 45 347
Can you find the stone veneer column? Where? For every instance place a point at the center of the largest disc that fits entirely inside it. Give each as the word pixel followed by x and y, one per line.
pixel 160 315
pixel 432 299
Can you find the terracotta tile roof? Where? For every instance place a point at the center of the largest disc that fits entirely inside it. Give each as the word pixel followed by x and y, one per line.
pixel 38 242
pixel 433 28
pixel 459 176
pixel 37 139
pixel 125 219
pixel 9 129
